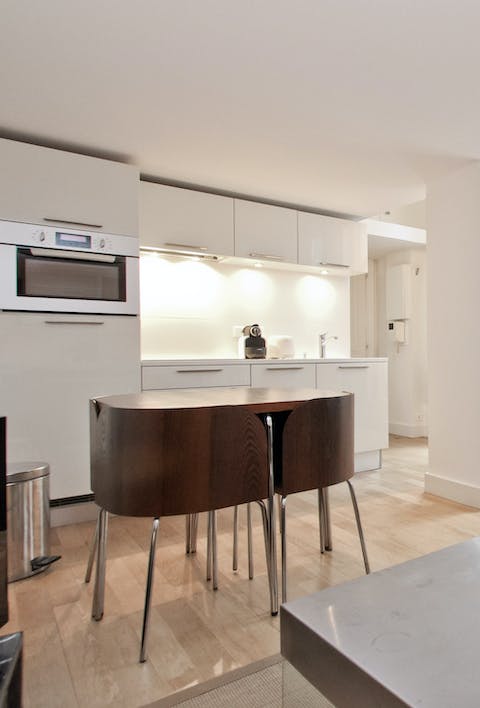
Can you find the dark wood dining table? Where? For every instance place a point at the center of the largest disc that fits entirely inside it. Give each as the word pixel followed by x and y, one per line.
pixel 274 402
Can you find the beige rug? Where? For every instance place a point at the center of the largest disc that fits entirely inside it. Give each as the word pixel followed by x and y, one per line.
pixel 269 683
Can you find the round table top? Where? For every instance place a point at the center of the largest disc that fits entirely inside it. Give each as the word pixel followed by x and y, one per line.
pixel 260 400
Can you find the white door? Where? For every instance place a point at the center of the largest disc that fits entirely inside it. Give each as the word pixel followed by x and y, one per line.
pixel 363 314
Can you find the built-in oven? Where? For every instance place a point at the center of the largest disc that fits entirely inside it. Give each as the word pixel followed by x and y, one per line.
pixel 63 270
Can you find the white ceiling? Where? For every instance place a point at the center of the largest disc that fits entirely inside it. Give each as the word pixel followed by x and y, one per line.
pixel 345 105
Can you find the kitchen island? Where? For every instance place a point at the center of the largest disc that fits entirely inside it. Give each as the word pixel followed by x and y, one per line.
pixel 403 636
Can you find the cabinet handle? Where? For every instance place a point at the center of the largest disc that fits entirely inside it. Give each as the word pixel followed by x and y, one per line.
pixel 358 366
pixel 74 322
pixel 333 265
pixel 186 245
pixel 285 368
pixel 71 255
pixel 198 371
pixel 266 256
pixel 73 223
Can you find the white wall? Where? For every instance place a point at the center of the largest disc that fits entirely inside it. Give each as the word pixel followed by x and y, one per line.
pixel 408 215
pixel 188 308
pixel 453 257
pixel 363 309
pixel 407 363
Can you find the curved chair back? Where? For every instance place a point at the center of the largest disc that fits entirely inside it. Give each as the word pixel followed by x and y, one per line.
pixel 159 463
pixel 317 445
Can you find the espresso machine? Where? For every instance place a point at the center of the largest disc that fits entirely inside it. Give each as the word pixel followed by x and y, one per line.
pixel 252 345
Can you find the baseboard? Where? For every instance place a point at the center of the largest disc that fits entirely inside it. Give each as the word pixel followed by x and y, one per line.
pixel 73 513
pixel 366 461
pixel 408 431
pixel 459 492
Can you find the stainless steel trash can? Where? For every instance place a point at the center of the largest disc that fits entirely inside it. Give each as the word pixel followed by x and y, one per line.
pixel 28 519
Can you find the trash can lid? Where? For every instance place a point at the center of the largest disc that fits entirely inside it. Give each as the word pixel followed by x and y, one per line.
pixel 23 471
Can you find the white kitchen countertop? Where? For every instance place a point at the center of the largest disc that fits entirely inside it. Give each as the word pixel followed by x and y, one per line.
pixel 224 362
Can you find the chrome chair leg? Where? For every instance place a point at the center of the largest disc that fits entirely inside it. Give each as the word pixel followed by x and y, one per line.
pixel 235 539
pixel 359 527
pixel 148 592
pixel 249 540
pixel 271 578
pixel 214 551
pixel 212 565
pixel 321 519
pixel 283 531
pixel 209 546
pixel 93 548
pixel 327 520
pixel 271 516
pixel 194 533
pixel 266 538
pixel 191 528
pixel 99 588
pixel 188 533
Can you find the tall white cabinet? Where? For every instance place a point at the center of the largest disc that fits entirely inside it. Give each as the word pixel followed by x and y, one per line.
pixel 51 366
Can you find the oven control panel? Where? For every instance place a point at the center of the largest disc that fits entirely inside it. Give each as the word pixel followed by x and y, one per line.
pixel 49 238
pixel 20 234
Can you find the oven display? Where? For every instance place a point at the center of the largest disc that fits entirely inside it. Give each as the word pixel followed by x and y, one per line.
pixel 73 240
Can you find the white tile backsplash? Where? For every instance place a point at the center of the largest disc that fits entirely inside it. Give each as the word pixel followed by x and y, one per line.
pixel 188 308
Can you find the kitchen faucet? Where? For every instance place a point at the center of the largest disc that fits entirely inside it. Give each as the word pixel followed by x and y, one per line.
pixel 323 343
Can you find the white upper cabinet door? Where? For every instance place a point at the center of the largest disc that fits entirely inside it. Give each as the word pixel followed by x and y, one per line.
pixel 265 232
pixel 334 243
pixel 44 186
pixel 183 219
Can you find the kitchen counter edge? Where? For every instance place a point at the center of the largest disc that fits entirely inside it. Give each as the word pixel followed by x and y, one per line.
pixel 225 362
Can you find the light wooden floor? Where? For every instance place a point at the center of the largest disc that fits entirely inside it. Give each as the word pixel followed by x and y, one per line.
pixel 70 660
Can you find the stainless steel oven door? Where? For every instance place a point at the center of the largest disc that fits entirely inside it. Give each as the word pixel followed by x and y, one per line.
pixel 51 280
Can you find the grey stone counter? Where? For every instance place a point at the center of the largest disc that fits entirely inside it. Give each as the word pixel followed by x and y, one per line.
pixel 408 635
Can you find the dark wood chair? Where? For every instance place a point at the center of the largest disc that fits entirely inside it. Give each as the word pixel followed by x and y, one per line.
pixel 317 452
pixel 173 462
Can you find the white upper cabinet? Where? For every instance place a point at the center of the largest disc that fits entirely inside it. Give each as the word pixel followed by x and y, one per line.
pixel 265 232
pixel 41 185
pixel 336 243
pixel 183 219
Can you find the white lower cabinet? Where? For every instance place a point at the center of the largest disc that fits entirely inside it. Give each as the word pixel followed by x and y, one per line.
pixel 368 382
pixel 51 366
pixel 196 376
pixel 283 375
